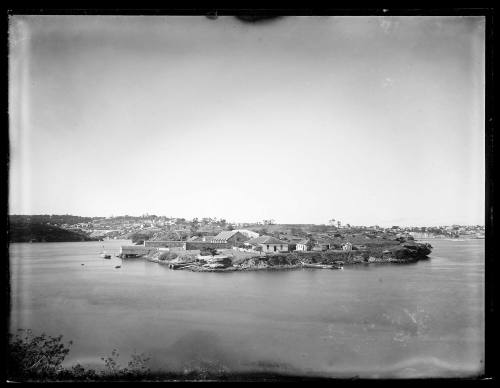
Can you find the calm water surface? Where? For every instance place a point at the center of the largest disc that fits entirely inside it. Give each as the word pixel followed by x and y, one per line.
pixel 377 320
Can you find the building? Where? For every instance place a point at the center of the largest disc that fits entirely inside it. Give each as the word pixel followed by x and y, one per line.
pixel 347 247
pixel 268 244
pixel 323 244
pixel 201 238
pixel 304 245
pixel 248 233
pixel 230 237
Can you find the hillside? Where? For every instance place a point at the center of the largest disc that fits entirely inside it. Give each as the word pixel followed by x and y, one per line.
pixel 38 232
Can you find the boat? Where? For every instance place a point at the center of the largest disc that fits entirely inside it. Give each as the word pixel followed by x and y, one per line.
pixel 323 266
pixel 118 266
pixel 104 255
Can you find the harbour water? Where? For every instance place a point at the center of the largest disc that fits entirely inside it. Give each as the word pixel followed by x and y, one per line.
pixel 379 320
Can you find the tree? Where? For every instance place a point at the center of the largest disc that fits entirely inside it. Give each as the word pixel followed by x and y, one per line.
pixel 194 226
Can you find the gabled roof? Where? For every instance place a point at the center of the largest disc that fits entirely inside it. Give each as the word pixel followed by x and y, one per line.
pixel 266 240
pixel 227 234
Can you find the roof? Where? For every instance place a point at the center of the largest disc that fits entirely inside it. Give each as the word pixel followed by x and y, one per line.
pixel 266 240
pixel 248 233
pixel 225 235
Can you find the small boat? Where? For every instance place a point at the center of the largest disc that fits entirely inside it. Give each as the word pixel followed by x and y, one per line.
pixel 322 266
pixel 104 255
pixel 118 266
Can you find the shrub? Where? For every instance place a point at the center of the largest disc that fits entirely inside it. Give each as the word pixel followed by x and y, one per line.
pixel 208 251
pixel 40 358
pixel 167 256
pixel 35 356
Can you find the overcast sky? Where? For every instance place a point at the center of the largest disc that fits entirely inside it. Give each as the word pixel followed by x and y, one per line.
pixel 368 120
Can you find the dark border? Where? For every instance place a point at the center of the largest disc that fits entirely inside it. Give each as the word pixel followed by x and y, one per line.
pixel 256 15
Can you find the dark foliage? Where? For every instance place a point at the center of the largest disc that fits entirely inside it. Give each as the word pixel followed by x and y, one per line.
pixel 33 356
pixel 38 232
pixel 208 251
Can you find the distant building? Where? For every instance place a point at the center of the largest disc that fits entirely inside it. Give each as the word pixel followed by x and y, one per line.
pixel 347 247
pixel 230 237
pixel 268 244
pixel 248 233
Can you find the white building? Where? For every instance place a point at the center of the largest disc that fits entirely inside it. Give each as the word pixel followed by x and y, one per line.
pixel 347 247
pixel 304 245
pixel 268 244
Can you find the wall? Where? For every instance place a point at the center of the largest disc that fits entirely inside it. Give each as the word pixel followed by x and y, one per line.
pixel 190 245
pixel 135 250
pixel 165 244
pixel 271 247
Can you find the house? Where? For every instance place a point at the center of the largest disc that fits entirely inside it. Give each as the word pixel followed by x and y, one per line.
pixel 268 244
pixel 230 237
pixel 347 247
pixel 323 244
pixel 304 245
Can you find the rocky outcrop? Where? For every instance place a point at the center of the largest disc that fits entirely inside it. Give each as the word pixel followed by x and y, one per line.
pixel 410 251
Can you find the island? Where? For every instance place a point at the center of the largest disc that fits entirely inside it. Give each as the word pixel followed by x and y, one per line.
pixel 249 256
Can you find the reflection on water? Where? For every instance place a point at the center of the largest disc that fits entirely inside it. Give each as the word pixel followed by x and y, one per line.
pixel 423 319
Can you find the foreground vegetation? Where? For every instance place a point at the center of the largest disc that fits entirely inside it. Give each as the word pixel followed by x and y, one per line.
pixel 39 358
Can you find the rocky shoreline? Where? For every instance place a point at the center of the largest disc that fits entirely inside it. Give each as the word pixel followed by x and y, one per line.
pixel 407 252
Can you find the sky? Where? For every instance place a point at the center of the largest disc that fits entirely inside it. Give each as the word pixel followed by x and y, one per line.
pixel 367 120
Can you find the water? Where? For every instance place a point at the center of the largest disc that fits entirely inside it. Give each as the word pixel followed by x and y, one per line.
pixel 379 320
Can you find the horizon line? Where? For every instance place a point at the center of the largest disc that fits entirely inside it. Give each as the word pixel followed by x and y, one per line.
pixel 247 222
